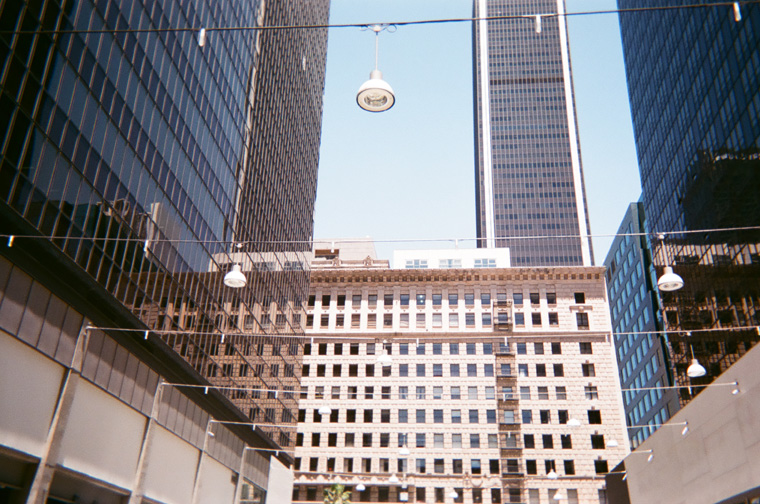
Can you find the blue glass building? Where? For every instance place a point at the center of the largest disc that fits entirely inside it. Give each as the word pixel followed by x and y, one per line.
pixel 694 83
pixel 642 351
pixel 136 166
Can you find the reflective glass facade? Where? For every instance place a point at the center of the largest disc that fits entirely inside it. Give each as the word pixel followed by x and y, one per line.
pixel 529 179
pixel 642 352
pixel 693 78
pixel 150 164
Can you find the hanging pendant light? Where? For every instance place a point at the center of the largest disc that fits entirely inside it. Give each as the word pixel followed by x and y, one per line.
pixel 235 278
pixel 695 369
pixel 669 281
pixel 376 95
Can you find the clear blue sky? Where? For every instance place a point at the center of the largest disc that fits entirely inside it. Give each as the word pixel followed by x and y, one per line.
pixel 408 173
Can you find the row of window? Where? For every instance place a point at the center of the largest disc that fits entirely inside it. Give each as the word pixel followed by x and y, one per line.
pixel 403 370
pixel 456 466
pixel 422 416
pixel 420 494
pixel 455 392
pixel 421 439
pixel 421 348
pixel 453 298
pixel 437 370
pixel 420 320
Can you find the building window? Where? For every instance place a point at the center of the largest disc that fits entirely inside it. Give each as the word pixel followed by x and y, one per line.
pixel 403 320
pixel 594 417
pixel 545 416
pixel 519 319
pixel 530 467
pixel 475 466
pixel 388 320
pixel 591 392
pixel 548 441
pixel 553 319
pixel 582 319
pixel 456 416
pixel 551 298
pixel 600 466
pixel 580 298
pixel 438 466
pixel 556 348
pixel 367 440
pixel 420 318
pixel 567 441
pixel 420 440
pixel 438 416
pixel 420 369
pixel 420 393
pixel 437 370
pixel 543 393
pixel 472 370
pixel 522 348
pixel 559 370
pixel 404 299
pixel 569 467
pixel 420 348
pixel 517 297
pixel 403 370
pixel 597 441
pixel 453 320
pixel 419 300
pixel 368 414
pixel 585 348
pixel 525 393
pixel 420 416
pixel 522 370
pixel 529 441
pixel 454 370
pixel 403 349
pixel 455 393
pixel 486 319
pixel 527 416
pixel 588 370
pixel 541 370
pixel 385 416
pixel 403 416
pixel 535 319
pixel 403 393
pixel 437 348
pixel 563 415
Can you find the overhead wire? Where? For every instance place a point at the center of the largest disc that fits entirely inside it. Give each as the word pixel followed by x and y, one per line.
pixel 497 17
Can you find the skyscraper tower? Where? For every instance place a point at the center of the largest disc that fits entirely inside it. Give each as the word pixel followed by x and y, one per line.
pixel 695 100
pixel 528 174
pixel 140 158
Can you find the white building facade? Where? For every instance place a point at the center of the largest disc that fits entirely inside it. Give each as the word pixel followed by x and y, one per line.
pixel 501 386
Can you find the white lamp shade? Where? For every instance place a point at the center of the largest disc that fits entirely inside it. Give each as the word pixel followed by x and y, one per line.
pixel 552 475
pixel 612 443
pixel 384 360
pixel 558 495
pixel 324 410
pixel 393 479
pixel 574 422
pixel 235 278
pixel 404 451
pixel 454 495
pixel 695 369
pixel 669 281
pixel 360 487
pixel 375 95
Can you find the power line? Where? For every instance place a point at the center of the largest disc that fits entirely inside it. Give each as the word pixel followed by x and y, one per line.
pixel 499 17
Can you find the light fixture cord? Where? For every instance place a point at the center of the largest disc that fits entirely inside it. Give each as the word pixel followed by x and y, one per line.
pixel 377 45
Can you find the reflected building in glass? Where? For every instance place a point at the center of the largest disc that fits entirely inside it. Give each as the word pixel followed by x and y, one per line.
pixel 136 167
pixel 528 173
pixel 695 100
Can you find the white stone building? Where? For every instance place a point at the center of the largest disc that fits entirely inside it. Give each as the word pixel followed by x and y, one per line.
pixel 502 386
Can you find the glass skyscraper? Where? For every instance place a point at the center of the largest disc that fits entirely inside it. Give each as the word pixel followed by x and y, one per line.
pixel 138 165
pixel 693 79
pixel 642 353
pixel 528 173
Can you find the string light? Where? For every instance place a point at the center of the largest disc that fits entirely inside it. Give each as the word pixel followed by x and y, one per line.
pixel 414 337
pixel 455 241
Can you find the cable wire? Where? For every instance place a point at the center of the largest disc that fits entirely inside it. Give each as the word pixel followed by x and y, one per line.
pixel 530 17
